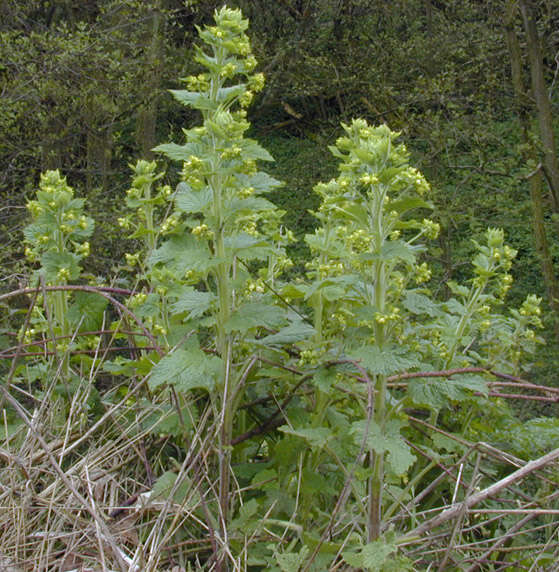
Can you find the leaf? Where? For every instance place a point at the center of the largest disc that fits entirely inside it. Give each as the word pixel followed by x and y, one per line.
pixel 164 484
pixel 227 94
pixel 355 212
pixel 261 182
pixel 245 245
pixel 265 480
pixel 457 289
pixel 190 201
pixel 252 150
pixel 245 521
pixel 408 203
pixel 183 253
pixel 438 392
pixel 324 379
pixel 150 307
pixel 316 437
pixel 534 437
pixel 87 310
pixel 418 303
pixel 321 243
pixel 176 152
pixel 192 301
pixel 253 315
pixel 194 99
pixel 184 491
pixel 54 262
pixel 186 369
pixel 384 361
pixel 249 205
pixel 455 307
pixel 392 250
pixel 332 288
pixel 290 561
pixel 372 556
pixel 295 332
pixel 387 442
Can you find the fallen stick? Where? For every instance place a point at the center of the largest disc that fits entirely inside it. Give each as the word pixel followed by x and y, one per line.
pixel 471 501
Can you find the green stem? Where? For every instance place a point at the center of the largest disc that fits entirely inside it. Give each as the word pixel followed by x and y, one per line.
pixel 464 321
pixel 376 480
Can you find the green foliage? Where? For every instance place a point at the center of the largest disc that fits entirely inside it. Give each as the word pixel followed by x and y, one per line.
pixel 291 405
pixel 56 237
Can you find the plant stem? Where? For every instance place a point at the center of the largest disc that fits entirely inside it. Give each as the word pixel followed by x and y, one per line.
pixel 377 459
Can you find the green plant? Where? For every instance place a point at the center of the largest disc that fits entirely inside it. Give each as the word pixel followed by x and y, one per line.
pixel 311 424
pixel 56 239
pixel 225 245
pixel 375 319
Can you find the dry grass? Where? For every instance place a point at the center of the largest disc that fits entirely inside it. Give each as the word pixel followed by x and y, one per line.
pixel 79 494
pixel 75 496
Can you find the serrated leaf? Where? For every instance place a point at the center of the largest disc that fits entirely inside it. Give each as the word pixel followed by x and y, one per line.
pixel 294 291
pixel 453 306
pixel 242 243
pixel 265 480
pixel 324 379
pixel 291 562
pixel 418 303
pixel 445 442
pixel 383 361
pixel 227 94
pixel 457 289
pixel 408 203
pixel 192 301
pixel 398 249
pixel 176 152
pixel 260 181
pixel 190 201
pixel 52 262
pixel 355 212
pixel 87 310
pixel 245 521
pixel 195 99
pixel 163 485
pixel 316 437
pixel 255 314
pixel 332 288
pixel 183 253
pixel 372 556
pixel 295 332
pixel 393 250
pixel 34 230
pixel 437 392
pixel 252 150
pixel 248 205
pixel 187 368
pixel 387 441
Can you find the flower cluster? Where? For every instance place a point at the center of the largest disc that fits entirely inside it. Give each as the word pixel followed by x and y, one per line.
pixel 493 262
pixel 57 234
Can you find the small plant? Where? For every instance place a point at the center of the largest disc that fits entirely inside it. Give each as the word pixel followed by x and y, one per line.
pixel 147 204
pixel 57 240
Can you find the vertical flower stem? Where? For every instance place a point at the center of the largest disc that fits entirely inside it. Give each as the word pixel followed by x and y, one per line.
pixel 377 459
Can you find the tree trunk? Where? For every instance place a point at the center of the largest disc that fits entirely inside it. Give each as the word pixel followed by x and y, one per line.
pixel 99 154
pixel 147 113
pixel 541 97
pixel 523 104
